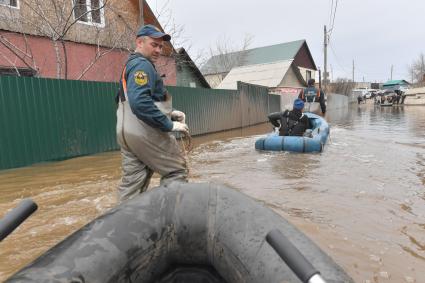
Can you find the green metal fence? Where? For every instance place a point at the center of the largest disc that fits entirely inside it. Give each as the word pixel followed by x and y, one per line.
pixel 49 119
pixel 208 110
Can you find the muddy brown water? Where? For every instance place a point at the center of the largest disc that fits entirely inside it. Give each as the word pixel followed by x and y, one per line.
pixel 362 200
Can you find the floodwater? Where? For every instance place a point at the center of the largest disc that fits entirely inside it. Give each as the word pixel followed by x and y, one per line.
pixel 362 200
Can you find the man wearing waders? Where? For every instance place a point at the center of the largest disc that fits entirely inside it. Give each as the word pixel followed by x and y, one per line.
pixel 145 120
pixel 312 94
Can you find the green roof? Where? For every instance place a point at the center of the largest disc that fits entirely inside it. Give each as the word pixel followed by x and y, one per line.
pixel 225 62
pixel 396 82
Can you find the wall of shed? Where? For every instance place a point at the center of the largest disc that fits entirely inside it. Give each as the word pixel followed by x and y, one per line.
pixel 185 77
pixel 290 80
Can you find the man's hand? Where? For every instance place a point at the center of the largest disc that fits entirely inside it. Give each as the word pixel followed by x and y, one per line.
pixel 180 127
pixel 178 116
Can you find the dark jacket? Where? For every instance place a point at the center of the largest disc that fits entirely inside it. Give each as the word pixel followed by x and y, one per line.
pixel 144 87
pixel 312 94
pixel 291 123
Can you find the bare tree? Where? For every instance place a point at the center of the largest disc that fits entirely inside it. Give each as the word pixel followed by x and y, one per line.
pixel 341 86
pixel 22 54
pixel 227 54
pixel 56 20
pixel 417 69
pixel 222 57
pixel 164 15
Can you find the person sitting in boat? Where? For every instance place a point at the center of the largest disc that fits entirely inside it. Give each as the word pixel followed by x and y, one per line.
pixel 313 94
pixel 291 123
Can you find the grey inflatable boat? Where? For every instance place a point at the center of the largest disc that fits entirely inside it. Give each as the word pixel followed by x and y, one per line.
pixel 186 233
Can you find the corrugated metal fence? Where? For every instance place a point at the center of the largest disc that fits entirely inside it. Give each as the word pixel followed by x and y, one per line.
pixel 48 119
pixel 208 110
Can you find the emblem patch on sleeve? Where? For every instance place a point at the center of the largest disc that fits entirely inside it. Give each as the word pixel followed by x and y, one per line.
pixel 141 78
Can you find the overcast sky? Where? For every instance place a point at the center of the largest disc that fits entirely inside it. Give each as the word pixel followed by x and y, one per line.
pixel 374 33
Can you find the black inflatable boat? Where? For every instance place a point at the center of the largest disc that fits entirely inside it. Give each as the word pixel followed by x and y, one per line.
pixel 182 233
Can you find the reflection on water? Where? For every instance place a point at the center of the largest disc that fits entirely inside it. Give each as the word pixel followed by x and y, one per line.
pixel 362 199
pixel 353 198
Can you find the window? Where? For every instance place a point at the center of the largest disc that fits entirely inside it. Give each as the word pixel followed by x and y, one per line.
pixel 307 75
pixel 11 3
pixel 89 11
pixel 23 72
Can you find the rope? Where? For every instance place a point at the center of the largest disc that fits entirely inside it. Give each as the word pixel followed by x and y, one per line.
pixel 186 148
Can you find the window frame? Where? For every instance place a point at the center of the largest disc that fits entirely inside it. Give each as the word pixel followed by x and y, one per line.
pixel 10 6
pixel 89 14
pixel 23 72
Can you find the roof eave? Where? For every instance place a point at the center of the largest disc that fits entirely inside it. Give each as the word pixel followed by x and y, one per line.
pixel 181 51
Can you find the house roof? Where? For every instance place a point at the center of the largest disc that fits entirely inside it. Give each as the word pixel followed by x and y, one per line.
pixel 268 74
pixel 396 82
pixel 184 58
pixel 224 62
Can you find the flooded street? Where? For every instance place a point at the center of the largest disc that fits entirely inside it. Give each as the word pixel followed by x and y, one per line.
pixel 362 200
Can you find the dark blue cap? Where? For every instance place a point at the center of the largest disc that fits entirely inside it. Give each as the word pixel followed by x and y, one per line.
pixel 153 31
pixel 298 104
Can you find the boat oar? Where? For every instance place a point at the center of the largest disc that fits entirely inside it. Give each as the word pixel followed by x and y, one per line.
pixel 15 217
pixel 293 258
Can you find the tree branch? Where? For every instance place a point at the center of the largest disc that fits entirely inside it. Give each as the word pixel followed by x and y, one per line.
pixel 12 49
pixel 11 63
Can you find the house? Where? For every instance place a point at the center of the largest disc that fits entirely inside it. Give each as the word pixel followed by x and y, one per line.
pixel 396 84
pixel 275 76
pixel 74 39
pixel 296 52
pixel 188 74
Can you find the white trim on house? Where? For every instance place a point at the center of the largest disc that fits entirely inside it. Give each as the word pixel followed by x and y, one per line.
pixel 8 5
pixel 89 14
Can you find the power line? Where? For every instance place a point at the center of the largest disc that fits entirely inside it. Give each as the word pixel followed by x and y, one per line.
pixel 337 59
pixel 333 20
pixel 330 12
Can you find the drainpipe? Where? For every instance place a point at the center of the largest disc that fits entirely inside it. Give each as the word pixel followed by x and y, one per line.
pixel 141 19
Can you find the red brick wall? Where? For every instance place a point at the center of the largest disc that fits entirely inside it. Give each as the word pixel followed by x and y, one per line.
pixel 107 69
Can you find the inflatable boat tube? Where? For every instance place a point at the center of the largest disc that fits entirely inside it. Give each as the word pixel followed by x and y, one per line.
pixel 314 143
pixel 181 233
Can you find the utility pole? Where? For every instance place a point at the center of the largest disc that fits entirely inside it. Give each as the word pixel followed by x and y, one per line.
pixel 141 18
pixel 353 71
pixel 391 72
pixel 332 73
pixel 325 57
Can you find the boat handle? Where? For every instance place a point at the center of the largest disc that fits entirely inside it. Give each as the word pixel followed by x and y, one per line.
pixel 304 270
pixel 16 216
